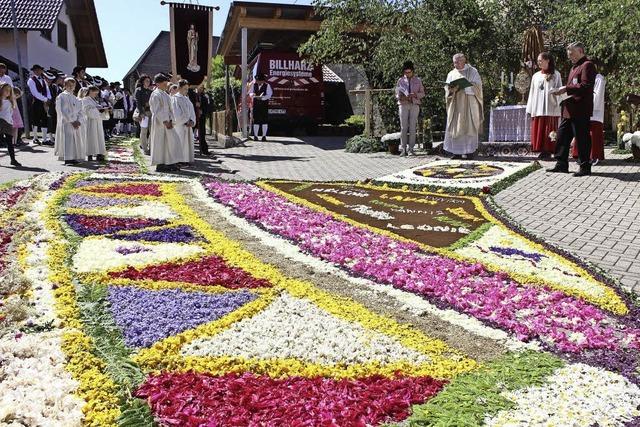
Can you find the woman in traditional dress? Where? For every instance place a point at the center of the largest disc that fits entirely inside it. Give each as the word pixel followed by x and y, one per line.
pixel 142 94
pixel 543 106
pixel 94 132
pixel 69 133
pixel 184 117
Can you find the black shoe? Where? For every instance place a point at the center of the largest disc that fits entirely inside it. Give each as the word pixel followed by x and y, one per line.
pixel 70 162
pixel 583 172
pixel 255 138
pixel 100 157
pixel 558 169
pixel 161 168
pixel 456 157
pixel 49 143
pixel 16 163
pixel 264 139
pixel 205 153
pixel 90 158
pixel 37 141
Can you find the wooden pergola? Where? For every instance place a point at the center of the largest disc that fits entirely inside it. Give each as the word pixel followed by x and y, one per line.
pixel 248 24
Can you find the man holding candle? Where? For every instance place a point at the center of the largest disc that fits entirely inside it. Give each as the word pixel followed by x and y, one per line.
pixel 577 108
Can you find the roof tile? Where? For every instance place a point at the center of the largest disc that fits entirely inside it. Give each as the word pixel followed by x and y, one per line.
pixel 30 14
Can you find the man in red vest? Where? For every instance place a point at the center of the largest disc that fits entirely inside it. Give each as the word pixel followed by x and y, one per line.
pixel 577 109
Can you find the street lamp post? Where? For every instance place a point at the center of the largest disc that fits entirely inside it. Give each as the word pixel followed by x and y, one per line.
pixel 25 110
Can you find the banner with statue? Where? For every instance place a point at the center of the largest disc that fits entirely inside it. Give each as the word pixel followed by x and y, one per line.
pixel 191 41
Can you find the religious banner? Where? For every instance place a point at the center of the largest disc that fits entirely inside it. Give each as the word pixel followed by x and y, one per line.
pixel 191 41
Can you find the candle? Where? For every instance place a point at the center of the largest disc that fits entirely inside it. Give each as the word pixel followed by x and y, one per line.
pixel 502 78
pixel 511 81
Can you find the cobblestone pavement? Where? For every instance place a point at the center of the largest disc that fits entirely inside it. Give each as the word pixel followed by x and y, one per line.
pixel 315 158
pixel 597 217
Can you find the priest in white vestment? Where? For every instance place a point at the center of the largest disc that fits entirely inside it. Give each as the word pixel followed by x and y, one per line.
pixel 464 109
pixel 184 116
pixel 544 107
pixel 165 143
pixel 94 130
pixel 70 144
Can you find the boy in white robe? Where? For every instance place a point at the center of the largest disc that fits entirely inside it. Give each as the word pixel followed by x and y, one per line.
pixel 184 119
pixel 94 131
pixel 69 145
pixel 464 109
pixel 165 143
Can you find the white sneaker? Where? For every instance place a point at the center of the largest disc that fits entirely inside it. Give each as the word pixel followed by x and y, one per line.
pixel 594 162
pixel 403 154
pixel 412 153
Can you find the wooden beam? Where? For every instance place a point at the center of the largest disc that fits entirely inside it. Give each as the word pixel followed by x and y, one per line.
pixel 229 39
pixel 277 13
pixel 232 59
pixel 278 24
pixel 309 14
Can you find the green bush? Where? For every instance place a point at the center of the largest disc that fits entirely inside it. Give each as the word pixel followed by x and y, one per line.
pixel 357 121
pixel 216 90
pixel 364 144
pixel 388 107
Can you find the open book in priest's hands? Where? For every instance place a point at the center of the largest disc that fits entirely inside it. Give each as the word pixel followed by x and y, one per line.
pixel 460 82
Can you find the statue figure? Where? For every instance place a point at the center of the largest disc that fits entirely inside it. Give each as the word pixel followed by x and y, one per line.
pixel 192 43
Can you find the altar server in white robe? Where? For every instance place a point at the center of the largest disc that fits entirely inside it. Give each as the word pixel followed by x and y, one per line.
pixel 464 109
pixel 184 116
pixel 70 144
pixel 94 130
pixel 165 142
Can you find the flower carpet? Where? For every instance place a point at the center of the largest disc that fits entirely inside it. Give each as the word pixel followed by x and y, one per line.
pixel 461 175
pixel 137 300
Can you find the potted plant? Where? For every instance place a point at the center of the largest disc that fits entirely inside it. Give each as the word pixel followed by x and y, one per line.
pixel 393 142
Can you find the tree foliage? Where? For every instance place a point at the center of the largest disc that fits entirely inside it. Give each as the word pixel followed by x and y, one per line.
pixel 610 31
pixel 382 34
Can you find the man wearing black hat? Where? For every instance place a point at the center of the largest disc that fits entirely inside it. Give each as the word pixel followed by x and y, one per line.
pixel 54 79
pixel 261 93
pixel 79 74
pixel 40 98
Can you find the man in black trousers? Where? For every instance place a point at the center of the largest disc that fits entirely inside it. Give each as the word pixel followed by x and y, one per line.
pixel 577 110
pixel 201 106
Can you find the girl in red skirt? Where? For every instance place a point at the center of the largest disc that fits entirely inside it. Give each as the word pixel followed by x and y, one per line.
pixel 543 107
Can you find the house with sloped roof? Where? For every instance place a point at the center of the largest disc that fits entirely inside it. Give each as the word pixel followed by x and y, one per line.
pixel 155 59
pixel 52 33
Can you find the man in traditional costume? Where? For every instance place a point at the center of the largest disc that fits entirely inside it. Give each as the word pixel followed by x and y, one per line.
pixel 70 144
pixel 464 109
pixel 40 98
pixel 260 94
pixel 596 125
pixel 409 93
pixel 543 106
pixel 80 76
pixel 165 143
pixel 184 119
pixel 577 110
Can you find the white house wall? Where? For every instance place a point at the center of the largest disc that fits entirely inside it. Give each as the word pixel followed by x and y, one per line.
pixel 48 53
